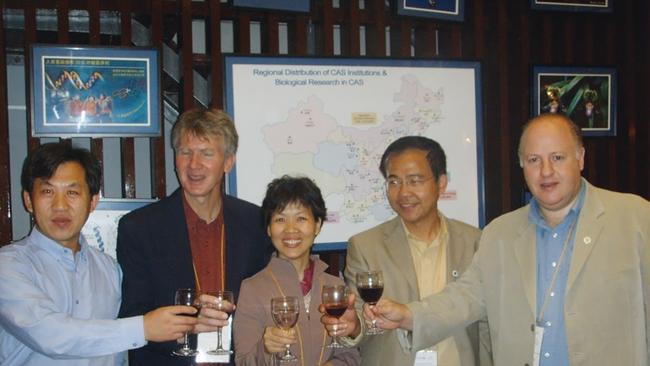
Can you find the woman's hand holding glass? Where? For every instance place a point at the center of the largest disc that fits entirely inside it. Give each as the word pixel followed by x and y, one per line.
pixel 285 311
pixel 347 325
pixel 276 339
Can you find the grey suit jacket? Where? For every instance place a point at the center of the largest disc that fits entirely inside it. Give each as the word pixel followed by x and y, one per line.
pixel 606 304
pixel 385 247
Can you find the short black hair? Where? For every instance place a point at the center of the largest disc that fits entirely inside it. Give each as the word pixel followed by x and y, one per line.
pixel 46 159
pixel 435 154
pixel 286 190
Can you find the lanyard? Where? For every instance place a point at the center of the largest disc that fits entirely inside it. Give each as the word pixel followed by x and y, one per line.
pixel 557 270
pixel 302 357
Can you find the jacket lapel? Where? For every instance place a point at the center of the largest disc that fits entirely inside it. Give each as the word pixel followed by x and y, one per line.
pixel 396 245
pixel 587 233
pixel 524 247
pixel 455 251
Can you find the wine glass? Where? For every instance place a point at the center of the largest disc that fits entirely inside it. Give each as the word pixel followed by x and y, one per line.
pixel 370 286
pixel 190 297
pixel 335 300
pixel 284 311
pixel 224 302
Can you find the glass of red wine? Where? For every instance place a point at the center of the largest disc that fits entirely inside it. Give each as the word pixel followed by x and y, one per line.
pixel 284 311
pixel 335 300
pixel 189 297
pixel 224 302
pixel 370 286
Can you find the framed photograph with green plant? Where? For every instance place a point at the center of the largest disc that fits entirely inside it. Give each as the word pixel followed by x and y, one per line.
pixel 587 95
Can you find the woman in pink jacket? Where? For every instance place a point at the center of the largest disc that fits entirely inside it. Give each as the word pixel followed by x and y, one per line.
pixel 293 212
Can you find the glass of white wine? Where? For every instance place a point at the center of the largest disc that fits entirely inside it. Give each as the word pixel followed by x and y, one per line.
pixel 284 311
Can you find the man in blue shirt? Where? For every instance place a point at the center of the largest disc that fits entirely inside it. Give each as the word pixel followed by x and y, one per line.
pixel 59 298
pixel 563 281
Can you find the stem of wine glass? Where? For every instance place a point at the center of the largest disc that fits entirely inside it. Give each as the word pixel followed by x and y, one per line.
pixel 219 345
pixel 186 341
pixel 287 352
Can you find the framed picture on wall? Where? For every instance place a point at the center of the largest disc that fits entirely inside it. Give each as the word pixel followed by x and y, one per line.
pixel 94 91
pixel 441 9
pixel 100 230
pixel 284 5
pixel 332 118
pixel 572 5
pixel 587 95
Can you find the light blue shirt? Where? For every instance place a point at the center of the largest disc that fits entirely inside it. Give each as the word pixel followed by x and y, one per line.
pixel 549 244
pixel 57 308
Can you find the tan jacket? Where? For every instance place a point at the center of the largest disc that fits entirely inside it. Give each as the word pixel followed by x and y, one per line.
pixel 385 247
pixel 253 315
pixel 606 303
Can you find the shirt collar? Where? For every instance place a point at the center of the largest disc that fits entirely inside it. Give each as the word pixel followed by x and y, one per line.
pixel 535 214
pixel 57 250
pixel 443 233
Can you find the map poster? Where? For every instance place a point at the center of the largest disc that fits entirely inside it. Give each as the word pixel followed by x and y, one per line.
pixel 331 120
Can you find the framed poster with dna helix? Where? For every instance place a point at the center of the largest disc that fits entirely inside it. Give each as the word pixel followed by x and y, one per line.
pixel 94 91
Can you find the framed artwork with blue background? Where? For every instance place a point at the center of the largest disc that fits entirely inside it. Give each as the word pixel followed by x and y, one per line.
pixel 284 5
pixel 94 91
pixel 441 9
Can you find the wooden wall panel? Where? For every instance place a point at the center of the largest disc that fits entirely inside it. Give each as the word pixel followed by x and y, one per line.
pixel 157 146
pixel 507 38
pixel 127 143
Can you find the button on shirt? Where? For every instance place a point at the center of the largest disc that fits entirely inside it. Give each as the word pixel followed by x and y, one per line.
pixel 549 244
pixel 58 308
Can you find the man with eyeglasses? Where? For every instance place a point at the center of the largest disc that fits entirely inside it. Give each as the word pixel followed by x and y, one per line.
pixel 418 252
pixel 564 280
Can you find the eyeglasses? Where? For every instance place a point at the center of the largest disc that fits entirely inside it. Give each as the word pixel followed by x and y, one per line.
pixel 411 182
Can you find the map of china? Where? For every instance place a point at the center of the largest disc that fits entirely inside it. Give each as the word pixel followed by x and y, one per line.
pixel 344 160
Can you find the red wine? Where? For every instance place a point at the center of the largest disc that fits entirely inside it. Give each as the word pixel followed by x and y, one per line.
pixel 336 310
pixel 371 294
pixel 198 310
pixel 285 319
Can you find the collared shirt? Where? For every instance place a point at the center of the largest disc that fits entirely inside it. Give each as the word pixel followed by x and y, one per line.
pixel 549 244
pixel 430 263
pixel 207 243
pixel 59 308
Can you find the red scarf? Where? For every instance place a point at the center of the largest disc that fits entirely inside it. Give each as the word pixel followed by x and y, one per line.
pixel 307 278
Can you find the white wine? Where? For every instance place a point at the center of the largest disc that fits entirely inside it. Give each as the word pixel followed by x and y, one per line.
pixel 285 319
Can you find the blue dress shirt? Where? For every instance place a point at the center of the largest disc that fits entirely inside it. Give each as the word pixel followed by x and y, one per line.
pixel 549 244
pixel 58 308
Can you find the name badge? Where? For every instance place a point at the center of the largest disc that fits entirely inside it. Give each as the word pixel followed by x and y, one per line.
pixel 426 357
pixel 539 335
pixel 208 341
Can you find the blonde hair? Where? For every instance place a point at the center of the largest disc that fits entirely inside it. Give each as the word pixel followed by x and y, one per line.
pixel 204 123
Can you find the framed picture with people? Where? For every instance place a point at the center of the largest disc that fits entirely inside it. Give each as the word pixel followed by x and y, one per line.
pixel 94 91
pixel 587 95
